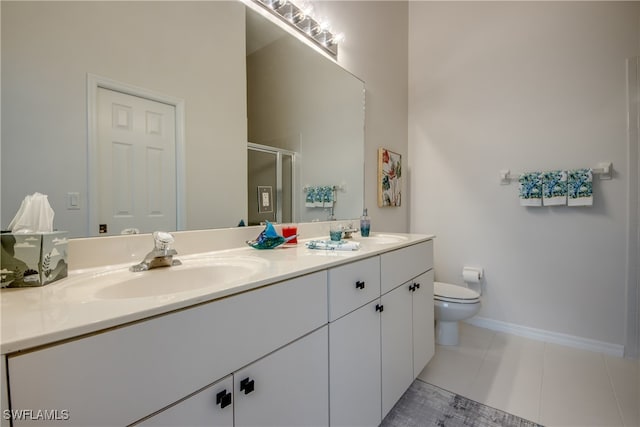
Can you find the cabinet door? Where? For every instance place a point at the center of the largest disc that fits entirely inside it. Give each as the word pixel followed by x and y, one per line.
pixel 397 345
pixel 354 368
pixel 289 387
pixel 396 267
pixel 212 406
pixel 423 327
pixel 353 285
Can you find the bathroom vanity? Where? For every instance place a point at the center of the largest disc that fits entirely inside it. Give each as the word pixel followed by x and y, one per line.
pixel 299 337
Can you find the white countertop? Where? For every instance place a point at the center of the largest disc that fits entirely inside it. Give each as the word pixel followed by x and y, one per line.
pixel 71 307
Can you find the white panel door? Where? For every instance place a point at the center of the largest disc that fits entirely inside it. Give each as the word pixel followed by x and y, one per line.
pixel 136 163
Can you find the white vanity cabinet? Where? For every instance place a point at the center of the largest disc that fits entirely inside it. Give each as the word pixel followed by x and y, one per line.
pixel 120 376
pixel 407 328
pixel 336 346
pixel 376 350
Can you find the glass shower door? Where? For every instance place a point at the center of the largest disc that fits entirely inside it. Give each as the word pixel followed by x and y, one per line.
pixel 270 185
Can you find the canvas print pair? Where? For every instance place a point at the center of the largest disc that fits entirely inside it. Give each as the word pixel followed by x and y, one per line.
pixel 560 187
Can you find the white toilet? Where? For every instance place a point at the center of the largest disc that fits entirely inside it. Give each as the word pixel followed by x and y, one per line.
pixel 452 304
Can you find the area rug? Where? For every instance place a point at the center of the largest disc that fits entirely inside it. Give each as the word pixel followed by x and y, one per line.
pixel 425 405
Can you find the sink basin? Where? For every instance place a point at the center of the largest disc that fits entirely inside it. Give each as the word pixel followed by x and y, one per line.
pixel 380 238
pixel 213 273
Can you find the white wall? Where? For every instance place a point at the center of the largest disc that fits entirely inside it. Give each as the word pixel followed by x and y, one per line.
pixel 182 49
pixel 525 86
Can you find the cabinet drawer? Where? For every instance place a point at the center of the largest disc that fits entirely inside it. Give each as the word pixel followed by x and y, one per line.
pixel 125 374
pixel 352 286
pixel 399 266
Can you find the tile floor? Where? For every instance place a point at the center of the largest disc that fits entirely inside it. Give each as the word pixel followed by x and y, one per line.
pixel 546 383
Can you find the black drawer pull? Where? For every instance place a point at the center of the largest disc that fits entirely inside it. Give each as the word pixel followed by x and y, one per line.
pixel 412 288
pixel 416 285
pixel 380 308
pixel 247 385
pixel 223 399
pixel 359 284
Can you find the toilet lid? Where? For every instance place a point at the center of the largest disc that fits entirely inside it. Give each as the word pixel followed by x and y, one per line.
pixel 453 293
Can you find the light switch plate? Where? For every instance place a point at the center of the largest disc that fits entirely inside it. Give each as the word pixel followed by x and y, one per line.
pixel 73 201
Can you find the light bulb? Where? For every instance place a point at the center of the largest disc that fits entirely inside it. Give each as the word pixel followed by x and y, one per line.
pixel 338 38
pixel 325 25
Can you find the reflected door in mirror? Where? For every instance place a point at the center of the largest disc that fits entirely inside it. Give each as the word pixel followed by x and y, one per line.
pixel 137 167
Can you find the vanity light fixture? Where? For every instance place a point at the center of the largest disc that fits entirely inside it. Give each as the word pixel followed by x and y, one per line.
pixel 299 16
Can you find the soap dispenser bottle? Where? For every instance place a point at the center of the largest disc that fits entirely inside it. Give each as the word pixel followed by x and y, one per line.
pixel 365 224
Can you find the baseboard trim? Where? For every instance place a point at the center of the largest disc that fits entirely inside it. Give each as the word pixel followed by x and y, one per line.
pixel 548 336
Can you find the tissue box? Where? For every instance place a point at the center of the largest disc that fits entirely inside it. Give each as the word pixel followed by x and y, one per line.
pixel 33 259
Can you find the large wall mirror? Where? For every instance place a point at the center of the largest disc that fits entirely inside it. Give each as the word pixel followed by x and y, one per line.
pixel 220 80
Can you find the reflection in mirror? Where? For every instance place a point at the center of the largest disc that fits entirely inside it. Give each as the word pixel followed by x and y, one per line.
pixel 273 168
pixel 189 51
pixel 302 103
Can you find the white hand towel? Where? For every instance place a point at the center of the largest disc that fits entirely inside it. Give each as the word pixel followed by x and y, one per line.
pixel 580 185
pixel 530 189
pixel 330 245
pixel 554 188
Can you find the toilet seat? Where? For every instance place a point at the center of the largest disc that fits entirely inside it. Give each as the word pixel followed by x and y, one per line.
pixel 456 294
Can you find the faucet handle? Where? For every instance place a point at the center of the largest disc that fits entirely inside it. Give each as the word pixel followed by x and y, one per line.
pixel 162 239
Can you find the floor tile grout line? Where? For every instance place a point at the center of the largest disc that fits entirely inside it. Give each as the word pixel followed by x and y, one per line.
pixel 544 353
pixel 613 388
pixel 482 362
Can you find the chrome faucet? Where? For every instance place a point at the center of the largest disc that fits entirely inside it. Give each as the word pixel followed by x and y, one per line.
pixel 161 255
pixel 348 230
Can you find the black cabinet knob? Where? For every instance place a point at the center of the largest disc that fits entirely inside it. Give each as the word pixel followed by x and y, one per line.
pixel 416 285
pixel 412 288
pixel 223 399
pixel 359 284
pixel 380 308
pixel 247 385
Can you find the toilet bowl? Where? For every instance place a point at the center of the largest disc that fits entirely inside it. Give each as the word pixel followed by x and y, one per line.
pixel 452 304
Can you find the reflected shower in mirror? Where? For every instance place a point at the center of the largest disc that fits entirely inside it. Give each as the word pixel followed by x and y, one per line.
pixel 193 53
pixel 302 103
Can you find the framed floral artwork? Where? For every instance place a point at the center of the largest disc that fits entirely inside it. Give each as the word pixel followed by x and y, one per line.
pixel 389 178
